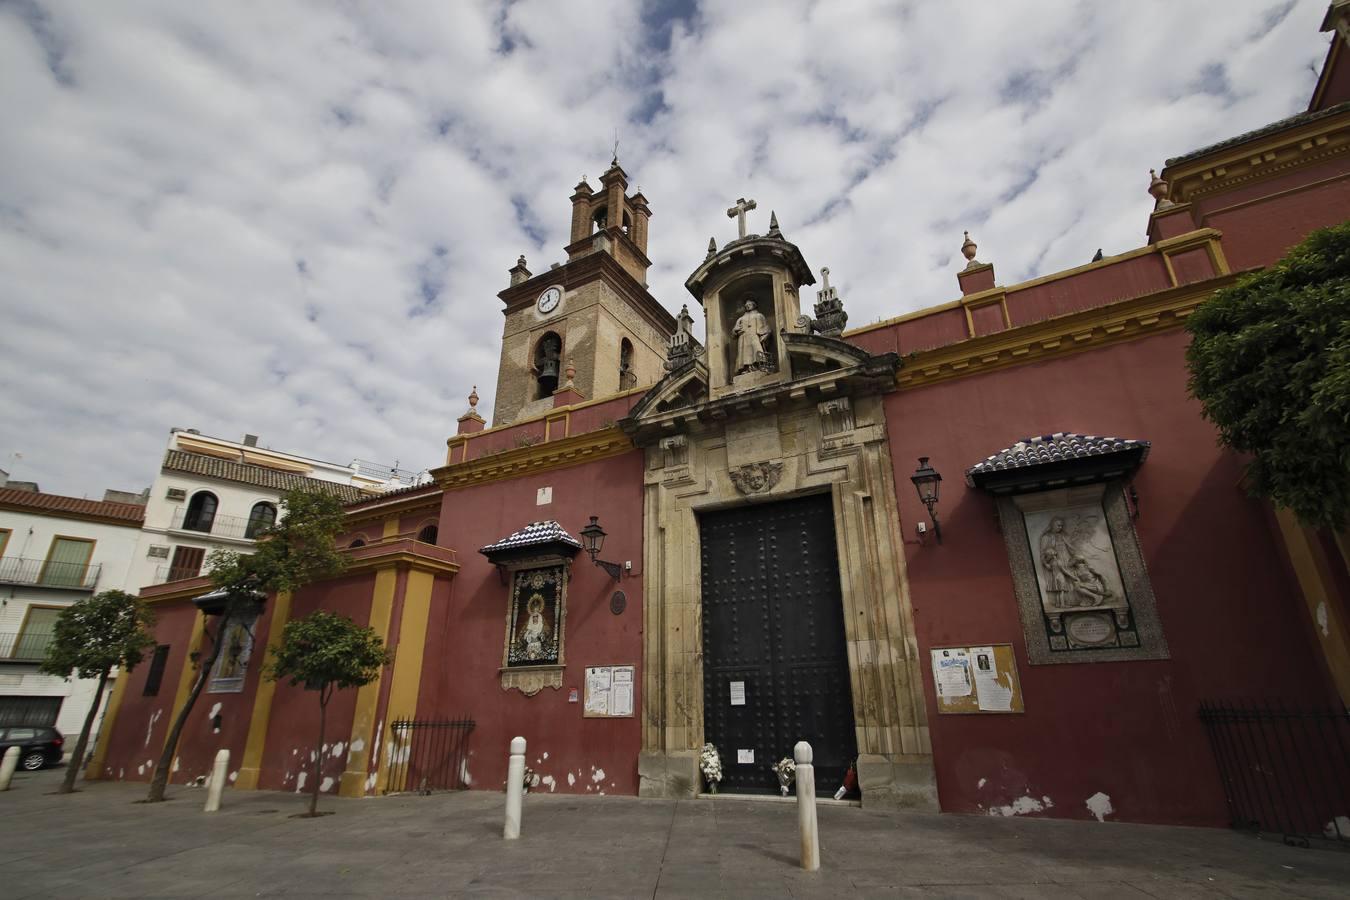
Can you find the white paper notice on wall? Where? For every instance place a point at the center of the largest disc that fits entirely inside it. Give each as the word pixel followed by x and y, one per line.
pixel 951 673
pixel 543 496
pixel 991 694
pixel 738 693
pixel 609 692
pixel 745 757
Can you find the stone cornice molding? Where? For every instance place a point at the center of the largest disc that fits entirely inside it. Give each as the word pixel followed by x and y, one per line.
pixel 568 451
pixel 396 506
pixel 1060 336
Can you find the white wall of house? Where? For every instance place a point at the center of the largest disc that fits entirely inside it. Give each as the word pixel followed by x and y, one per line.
pixel 31 536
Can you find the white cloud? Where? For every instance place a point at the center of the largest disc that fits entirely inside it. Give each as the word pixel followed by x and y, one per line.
pixel 294 220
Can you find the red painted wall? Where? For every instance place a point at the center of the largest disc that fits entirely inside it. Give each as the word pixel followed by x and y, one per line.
pixel 466 633
pixel 293 727
pixel 1229 611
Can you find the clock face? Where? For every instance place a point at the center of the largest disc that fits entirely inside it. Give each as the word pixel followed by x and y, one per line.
pixel 549 299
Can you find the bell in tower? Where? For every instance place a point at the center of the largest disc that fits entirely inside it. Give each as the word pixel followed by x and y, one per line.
pixel 546 360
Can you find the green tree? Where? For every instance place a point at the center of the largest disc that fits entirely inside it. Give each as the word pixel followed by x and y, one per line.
pixel 326 652
pixel 1270 364
pixel 91 637
pixel 296 551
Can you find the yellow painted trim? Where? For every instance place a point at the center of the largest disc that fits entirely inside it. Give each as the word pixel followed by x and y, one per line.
pixel 42 575
pixel 409 560
pixel 456 441
pixel 1060 336
pixel 353 782
pixel 1303 554
pixel 94 770
pixel 4 539
pixel 189 672
pixel 407 677
pixel 390 528
pixel 570 451
pixel 251 764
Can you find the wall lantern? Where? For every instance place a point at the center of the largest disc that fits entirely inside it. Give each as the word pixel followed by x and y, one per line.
pixel 926 480
pixel 593 541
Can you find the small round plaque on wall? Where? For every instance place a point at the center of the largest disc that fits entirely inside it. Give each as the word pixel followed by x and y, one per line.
pixel 618 603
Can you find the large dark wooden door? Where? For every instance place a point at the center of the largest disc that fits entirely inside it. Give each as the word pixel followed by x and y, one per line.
pixel 773 636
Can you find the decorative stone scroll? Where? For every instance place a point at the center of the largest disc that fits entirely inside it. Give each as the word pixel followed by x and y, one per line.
pixel 756 477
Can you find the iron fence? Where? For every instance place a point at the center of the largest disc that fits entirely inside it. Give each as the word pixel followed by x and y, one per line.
pixel 49 573
pixel 429 755
pixel 25 646
pixel 1285 769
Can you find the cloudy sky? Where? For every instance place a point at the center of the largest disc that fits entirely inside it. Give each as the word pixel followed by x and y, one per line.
pixel 293 218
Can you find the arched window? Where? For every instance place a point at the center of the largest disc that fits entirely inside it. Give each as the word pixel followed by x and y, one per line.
pixel 264 514
pixel 547 363
pixel 627 377
pixel 201 512
pixel 627 222
pixel 428 534
pixel 600 220
pixel 359 542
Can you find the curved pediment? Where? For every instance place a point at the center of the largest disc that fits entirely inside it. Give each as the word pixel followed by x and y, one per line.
pixel 684 386
pixel 818 352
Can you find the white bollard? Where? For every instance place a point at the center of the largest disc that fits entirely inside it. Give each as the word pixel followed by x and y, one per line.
pixel 216 786
pixel 515 788
pixel 7 767
pixel 806 806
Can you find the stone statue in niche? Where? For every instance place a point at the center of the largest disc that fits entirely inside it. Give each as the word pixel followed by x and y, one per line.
pixel 1075 562
pixel 750 330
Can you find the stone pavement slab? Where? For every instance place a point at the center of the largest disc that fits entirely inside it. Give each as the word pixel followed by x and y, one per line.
pixel 101 843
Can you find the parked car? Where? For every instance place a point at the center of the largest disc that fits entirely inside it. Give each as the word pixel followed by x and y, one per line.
pixel 39 745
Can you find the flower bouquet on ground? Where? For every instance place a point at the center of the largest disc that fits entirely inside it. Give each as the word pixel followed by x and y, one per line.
pixel 786 770
pixel 710 764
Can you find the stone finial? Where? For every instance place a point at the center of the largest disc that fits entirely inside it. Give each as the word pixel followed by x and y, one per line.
pixel 968 248
pixel 571 370
pixel 1158 188
pixel 712 248
pixel 519 273
pixel 683 347
pixel 830 316
pixel 773 225
pixel 473 398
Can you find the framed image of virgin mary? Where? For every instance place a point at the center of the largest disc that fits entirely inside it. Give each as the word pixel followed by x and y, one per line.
pixel 535 619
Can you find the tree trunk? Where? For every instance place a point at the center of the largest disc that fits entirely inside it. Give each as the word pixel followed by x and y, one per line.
pixel 318 757
pixel 161 778
pixel 77 758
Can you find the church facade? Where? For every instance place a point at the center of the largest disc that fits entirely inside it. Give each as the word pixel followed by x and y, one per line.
pixel 987 553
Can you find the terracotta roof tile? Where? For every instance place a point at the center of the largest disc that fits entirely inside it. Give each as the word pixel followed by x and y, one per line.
pixel 1046 449
pixel 260 476
pixel 131 514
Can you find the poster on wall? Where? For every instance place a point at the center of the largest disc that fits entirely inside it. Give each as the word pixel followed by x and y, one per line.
pixel 977 679
pixel 609 692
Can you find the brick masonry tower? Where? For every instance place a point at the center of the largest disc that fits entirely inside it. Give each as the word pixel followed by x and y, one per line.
pixel 592 314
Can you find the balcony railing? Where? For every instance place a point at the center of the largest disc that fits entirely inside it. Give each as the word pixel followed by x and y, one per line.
pixel 49 573
pixel 24 647
pixel 216 526
pixel 164 574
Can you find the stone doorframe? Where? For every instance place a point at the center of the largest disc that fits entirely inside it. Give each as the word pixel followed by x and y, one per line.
pixel 814 438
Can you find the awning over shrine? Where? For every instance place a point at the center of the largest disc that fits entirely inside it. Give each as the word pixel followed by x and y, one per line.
pixel 1057 460
pixel 535 539
pixel 214 603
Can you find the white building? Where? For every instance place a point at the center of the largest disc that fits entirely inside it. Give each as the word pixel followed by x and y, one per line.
pixel 54 551
pixel 213 493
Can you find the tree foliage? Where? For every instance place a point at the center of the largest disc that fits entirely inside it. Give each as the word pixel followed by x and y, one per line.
pixel 327 652
pixel 296 550
pixel 92 636
pixel 1270 363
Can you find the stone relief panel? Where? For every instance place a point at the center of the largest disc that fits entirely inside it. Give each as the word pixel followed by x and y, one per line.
pixel 756 477
pixel 1080 579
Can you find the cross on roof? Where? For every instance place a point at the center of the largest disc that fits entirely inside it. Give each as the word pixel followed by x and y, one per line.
pixel 738 212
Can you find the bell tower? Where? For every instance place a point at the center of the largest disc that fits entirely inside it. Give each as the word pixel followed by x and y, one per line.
pixel 586 328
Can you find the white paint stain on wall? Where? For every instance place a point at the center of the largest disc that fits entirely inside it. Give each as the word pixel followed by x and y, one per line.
pixel 982 782
pixel 370 782
pixel 548 782
pixel 140 770
pixel 154 717
pixel 173 768
pixel 1322 623
pixel 1100 806
pixel 464 773
pixel 571 779
pixel 1337 829
pixel 300 782
pixel 326 785
pixel 545 754
pixel 1022 806
pixel 598 775
pixel 338 748
pixel 214 711
pixel 358 745
pixel 233 776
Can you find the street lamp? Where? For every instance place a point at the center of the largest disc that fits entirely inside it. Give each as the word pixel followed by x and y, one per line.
pixel 592 541
pixel 926 480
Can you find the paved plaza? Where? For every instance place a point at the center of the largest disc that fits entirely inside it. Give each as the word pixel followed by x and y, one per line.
pixel 101 843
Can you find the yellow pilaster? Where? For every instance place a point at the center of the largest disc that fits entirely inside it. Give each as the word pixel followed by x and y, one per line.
pixel 262 700
pixel 95 768
pixel 407 677
pixel 353 782
pixel 391 528
pixel 1304 553
pixel 189 672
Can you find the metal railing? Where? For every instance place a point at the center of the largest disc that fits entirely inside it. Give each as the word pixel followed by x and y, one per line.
pixel 1285 769
pixel 428 755
pixel 216 526
pixel 164 574
pixel 25 646
pixel 49 573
